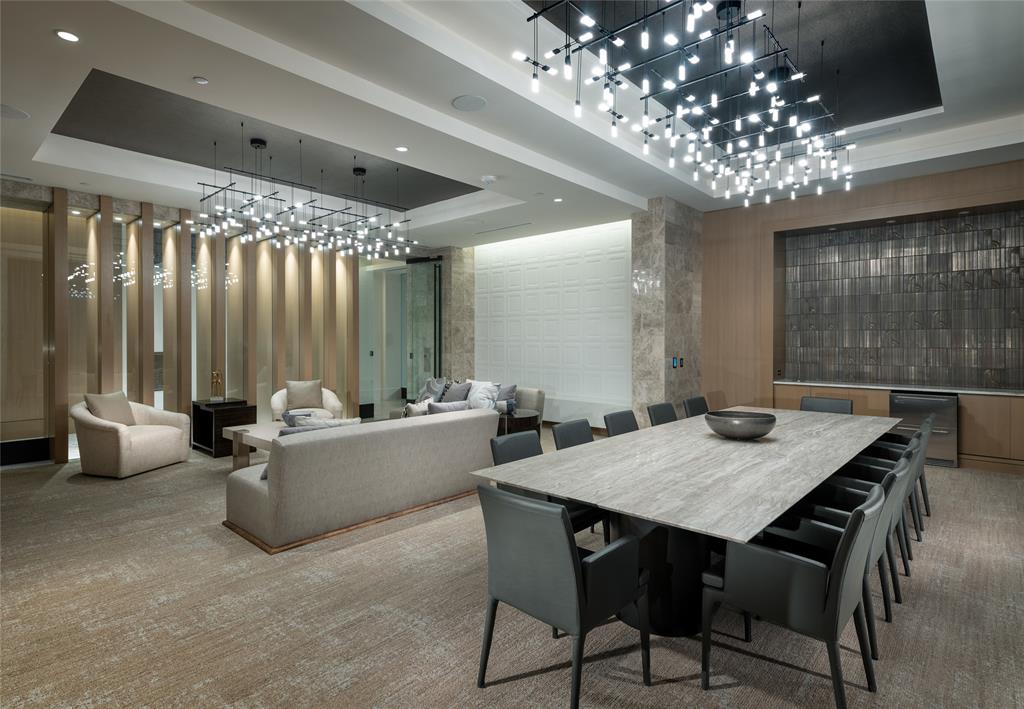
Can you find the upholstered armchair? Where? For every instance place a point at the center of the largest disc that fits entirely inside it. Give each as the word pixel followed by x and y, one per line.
pixel 117 450
pixel 527 398
pixel 332 409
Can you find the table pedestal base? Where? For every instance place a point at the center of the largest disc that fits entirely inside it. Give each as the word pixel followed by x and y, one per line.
pixel 675 559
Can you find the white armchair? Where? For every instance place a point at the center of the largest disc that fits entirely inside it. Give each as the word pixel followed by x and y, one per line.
pixel 333 408
pixel 115 450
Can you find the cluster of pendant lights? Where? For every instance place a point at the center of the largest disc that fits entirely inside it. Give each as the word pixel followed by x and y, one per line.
pixel 742 124
pixel 254 206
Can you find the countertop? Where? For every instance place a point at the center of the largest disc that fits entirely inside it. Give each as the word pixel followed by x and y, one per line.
pixel 905 387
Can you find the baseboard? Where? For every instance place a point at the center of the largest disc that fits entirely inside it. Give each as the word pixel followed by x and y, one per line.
pixel 253 539
pixel 984 462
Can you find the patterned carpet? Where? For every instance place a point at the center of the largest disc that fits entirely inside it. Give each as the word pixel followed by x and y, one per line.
pixel 131 592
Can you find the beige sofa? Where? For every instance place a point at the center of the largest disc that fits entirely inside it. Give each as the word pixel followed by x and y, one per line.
pixel 322 481
pixel 526 398
pixel 115 450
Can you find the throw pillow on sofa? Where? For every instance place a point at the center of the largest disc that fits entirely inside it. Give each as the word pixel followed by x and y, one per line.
pixel 432 390
pixel 305 395
pixel 482 395
pixel 419 409
pixel 507 391
pixel 444 407
pixel 457 392
pixel 111 407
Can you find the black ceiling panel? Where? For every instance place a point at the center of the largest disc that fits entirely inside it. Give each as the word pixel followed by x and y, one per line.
pixel 125 114
pixel 881 49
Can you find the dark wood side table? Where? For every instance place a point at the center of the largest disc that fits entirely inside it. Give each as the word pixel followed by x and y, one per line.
pixel 519 420
pixel 209 419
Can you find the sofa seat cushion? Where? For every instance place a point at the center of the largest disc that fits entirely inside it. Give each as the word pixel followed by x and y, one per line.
pixel 155 446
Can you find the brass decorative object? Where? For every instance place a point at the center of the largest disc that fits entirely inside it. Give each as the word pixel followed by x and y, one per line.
pixel 216 386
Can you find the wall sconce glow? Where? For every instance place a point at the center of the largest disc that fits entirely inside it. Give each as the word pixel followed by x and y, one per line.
pixel 67 36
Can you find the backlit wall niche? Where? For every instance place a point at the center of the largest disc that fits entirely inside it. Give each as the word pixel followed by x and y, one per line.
pixel 553 311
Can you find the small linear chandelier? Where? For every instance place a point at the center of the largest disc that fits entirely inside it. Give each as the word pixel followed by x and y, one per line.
pixel 719 90
pixel 254 205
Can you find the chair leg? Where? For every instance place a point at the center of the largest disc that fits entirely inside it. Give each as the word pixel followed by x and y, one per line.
pixel 837 674
pixel 914 518
pixel 869 613
pixel 748 630
pixel 906 533
pixel 554 633
pixel 577 669
pixel 915 506
pixel 924 494
pixel 607 531
pixel 901 540
pixel 883 576
pixel 897 592
pixel 865 651
pixel 710 605
pixel 485 651
pixel 642 612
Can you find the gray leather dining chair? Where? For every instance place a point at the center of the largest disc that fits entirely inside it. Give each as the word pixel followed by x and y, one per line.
pixel 661 413
pixel 572 433
pixel 826 405
pixel 808 596
pixel 526 444
pixel 895 440
pixel 534 565
pixel 620 422
pixel 695 406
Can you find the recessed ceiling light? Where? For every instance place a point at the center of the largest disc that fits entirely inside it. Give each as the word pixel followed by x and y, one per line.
pixel 8 111
pixel 67 36
pixel 468 102
pixel 201 80
pixel 75 212
pixel 557 199
pixel 402 149
pixel 890 221
pixel 118 219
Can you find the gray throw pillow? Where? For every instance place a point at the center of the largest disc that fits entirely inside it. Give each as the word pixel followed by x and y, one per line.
pixel 312 422
pixel 432 390
pixel 305 395
pixel 419 409
pixel 457 392
pixel 111 407
pixel 445 407
pixel 507 391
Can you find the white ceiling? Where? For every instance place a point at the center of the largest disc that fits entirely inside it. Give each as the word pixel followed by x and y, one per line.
pixel 374 75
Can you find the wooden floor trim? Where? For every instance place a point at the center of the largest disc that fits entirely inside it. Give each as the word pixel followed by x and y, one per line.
pixel 984 462
pixel 251 538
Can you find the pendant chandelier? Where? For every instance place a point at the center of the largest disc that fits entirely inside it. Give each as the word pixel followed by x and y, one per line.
pixel 717 88
pixel 255 206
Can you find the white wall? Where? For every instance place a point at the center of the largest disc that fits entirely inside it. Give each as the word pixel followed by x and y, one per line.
pixel 553 311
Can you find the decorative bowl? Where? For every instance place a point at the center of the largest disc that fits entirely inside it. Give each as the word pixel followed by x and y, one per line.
pixel 740 425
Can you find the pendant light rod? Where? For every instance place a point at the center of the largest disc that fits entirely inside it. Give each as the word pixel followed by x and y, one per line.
pixel 694 82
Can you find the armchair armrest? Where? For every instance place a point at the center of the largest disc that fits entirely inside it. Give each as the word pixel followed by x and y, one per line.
pixel 152 416
pixel 862 470
pixel 610 577
pixel 86 419
pixel 874 461
pixel 810 532
pixel 850 482
pixel 885 451
pixel 895 438
pixel 778 585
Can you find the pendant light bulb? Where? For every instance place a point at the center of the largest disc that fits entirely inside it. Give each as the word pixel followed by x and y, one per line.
pixel 645 39
pixel 577 110
pixel 535 84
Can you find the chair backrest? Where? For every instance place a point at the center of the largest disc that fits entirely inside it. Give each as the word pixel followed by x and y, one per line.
pixel 826 405
pixel 515 446
pixel 894 485
pixel 532 562
pixel 847 570
pixel 661 413
pixel 572 433
pixel 926 434
pixel 620 422
pixel 695 406
pixel 528 398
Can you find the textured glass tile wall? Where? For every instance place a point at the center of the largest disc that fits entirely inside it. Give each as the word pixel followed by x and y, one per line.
pixel 932 302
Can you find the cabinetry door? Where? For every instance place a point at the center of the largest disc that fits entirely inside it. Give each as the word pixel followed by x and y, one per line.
pixel 1017 428
pixel 985 425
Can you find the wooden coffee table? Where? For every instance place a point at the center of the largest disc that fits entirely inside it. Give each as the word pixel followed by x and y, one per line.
pixel 519 420
pixel 256 435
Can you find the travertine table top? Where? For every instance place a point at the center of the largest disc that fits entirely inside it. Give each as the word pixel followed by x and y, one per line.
pixel 257 435
pixel 684 475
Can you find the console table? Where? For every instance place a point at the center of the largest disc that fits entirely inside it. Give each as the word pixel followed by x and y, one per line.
pixel 209 419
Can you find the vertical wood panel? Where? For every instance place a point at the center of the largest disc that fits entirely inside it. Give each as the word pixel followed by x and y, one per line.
pixel 172 283
pixel 132 307
pixel 329 370
pixel 145 280
pixel 183 307
pixel 279 324
pixel 250 325
pixel 305 257
pixel 57 299
pixel 352 334
pixel 105 296
pixel 218 301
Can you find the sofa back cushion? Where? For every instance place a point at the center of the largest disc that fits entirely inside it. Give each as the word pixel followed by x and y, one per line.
pixel 305 395
pixel 111 407
pixel 457 392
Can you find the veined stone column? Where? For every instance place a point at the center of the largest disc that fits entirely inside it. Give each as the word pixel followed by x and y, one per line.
pixel 458 313
pixel 667 263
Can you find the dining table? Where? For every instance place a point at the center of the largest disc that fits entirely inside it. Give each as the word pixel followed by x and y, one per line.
pixel 680 486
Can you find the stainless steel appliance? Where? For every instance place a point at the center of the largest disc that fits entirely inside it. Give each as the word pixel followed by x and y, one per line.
pixel 914 407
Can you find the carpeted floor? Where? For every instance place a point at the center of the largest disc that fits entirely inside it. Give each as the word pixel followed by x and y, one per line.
pixel 131 593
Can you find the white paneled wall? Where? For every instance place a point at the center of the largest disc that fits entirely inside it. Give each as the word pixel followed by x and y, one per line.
pixel 553 311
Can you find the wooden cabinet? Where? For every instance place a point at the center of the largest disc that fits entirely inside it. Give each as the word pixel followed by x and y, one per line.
pixel 1017 428
pixel 985 425
pixel 866 402
pixel 787 396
